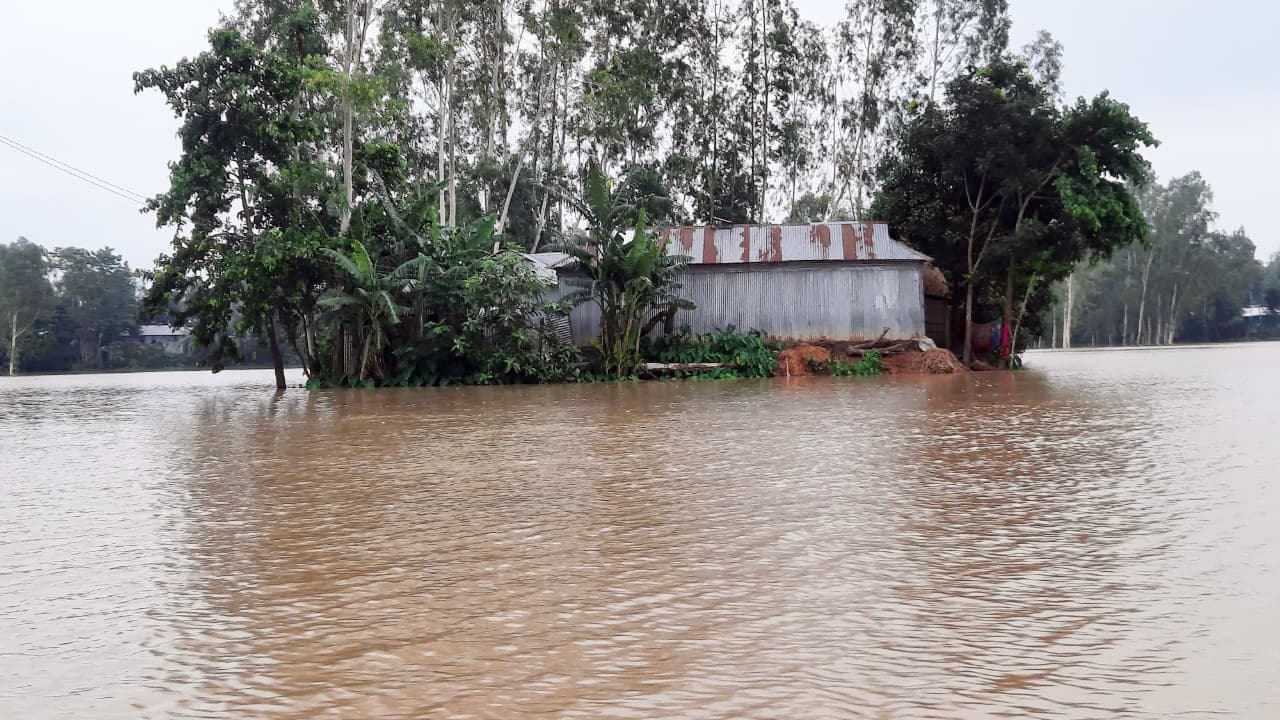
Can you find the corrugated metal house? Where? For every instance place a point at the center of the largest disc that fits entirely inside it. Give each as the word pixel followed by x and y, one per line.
pixel 833 280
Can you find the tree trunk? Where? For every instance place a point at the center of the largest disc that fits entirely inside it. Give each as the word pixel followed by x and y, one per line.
pixel 1142 301
pixel 1128 276
pixel 442 130
pixel 1007 361
pixel 277 359
pixel 355 48
pixel 868 91
pixel 542 221
pixel 1022 311
pixel 453 137
pixel 968 321
pixel 506 203
pixel 492 104
pixel 309 337
pixel 1173 323
pixel 714 176
pixel 442 127
pixel 348 351
pixel 1157 337
pixel 764 117
pixel 348 111
pixel 13 343
pixel 1066 315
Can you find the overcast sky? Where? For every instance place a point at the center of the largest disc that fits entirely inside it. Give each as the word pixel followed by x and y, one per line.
pixel 1201 74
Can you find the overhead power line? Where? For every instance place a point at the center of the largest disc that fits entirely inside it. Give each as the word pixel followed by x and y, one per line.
pixel 56 164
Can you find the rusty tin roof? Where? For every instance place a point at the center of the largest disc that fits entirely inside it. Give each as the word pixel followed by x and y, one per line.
pixel 848 241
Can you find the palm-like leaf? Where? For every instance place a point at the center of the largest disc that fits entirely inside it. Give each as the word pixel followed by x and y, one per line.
pixel 343 261
pixel 339 301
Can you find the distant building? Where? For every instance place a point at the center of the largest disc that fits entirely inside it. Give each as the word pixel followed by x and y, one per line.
pixel 172 341
pixel 160 334
pixel 833 280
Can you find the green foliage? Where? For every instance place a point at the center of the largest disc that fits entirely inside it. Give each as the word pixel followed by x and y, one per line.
pixel 1009 192
pixel 632 280
pixel 249 202
pixel 25 293
pixel 445 309
pixel 749 352
pixel 1186 281
pixel 97 289
pixel 370 302
pixel 870 364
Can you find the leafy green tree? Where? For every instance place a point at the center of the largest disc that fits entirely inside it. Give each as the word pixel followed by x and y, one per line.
pixel 998 178
pixel 432 305
pixel 25 294
pixel 1271 299
pixel 98 291
pixel 1185 281
pixel 1271 275
pixel 248 242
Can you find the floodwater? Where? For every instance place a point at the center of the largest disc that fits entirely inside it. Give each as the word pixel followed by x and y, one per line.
pixel 1095 537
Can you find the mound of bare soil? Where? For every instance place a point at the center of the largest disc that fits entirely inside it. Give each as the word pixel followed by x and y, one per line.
pixel 800 360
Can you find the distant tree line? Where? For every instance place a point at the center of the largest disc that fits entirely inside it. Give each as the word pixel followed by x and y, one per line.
pixel 1188 281
pixel 1008 189
pixel 63 308
pixel 69 308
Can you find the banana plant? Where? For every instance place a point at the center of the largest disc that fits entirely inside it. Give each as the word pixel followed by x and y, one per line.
pixel 632 280
pixel 371 300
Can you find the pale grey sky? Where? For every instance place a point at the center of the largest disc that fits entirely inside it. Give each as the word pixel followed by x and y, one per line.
pixel 1202 74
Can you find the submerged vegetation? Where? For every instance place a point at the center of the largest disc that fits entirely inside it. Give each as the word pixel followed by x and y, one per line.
pixel 631 280
pixel 871 363
pixel 744 354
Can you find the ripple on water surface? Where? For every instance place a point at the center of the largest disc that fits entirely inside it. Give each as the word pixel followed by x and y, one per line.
pixel 1092 538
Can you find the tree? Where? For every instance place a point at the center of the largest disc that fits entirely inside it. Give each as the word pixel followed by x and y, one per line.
pixel 1271 275
pixel 1271 300
pixel 1184 281
pixel 953 33
pixel 98 291
pixel 25 293
pixel 876 51
pixel 244 203
pixel 997 177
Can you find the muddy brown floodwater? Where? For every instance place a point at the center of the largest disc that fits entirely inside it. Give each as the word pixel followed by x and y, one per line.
pixel 1096 537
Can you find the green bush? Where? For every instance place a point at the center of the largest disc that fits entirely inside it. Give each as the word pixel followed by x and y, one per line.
pixel 440 307
pixel 749 352
pixel 870 364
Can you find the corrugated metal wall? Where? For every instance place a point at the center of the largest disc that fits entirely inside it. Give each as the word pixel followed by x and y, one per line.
pixel 792 300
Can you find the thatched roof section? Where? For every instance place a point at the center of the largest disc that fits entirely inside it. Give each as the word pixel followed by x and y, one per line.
pixel 935 283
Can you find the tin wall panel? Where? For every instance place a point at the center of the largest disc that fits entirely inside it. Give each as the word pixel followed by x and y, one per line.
pixel 801 301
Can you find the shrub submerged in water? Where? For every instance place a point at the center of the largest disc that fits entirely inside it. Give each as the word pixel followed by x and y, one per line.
pixel 749 353
pixel 870 364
